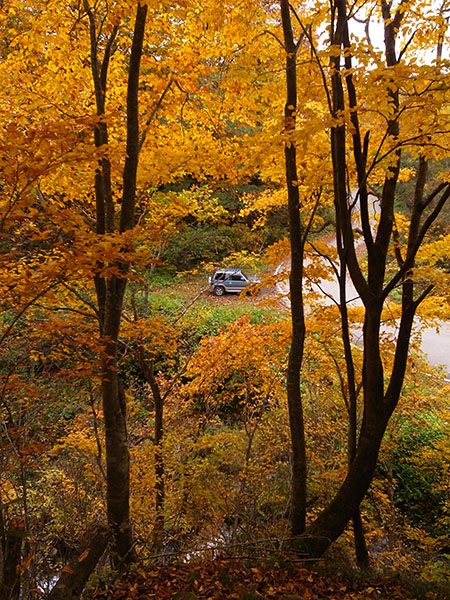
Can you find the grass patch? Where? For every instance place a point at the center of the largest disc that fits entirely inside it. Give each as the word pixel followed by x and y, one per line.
pixel 213 318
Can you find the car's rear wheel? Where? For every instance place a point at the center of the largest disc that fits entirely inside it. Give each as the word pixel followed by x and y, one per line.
pixel 219 290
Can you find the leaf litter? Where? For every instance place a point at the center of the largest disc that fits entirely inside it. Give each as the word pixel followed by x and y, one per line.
pixel 225 580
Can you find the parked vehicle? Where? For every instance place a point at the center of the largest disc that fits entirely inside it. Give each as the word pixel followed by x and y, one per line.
pixel 230 280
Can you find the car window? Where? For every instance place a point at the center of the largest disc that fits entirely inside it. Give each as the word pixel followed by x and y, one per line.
pixel 237 277
pixel 219 276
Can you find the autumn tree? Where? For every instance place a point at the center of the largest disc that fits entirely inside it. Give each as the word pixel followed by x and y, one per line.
pixel 72 221
pixel 110 290
pixel 369 133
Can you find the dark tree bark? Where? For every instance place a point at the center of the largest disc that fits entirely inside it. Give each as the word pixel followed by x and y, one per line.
pixel 73 579
pixel 158 531
pixel 111 290
pixel 147 368
pixel 340 36
pixel 294 397
pixel 351 394
pixel 11 554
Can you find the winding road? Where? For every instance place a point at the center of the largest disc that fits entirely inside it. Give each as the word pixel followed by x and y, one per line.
pixel 434 341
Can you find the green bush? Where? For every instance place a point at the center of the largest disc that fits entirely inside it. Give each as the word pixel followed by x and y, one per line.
pixel 208 243
pixel 417 495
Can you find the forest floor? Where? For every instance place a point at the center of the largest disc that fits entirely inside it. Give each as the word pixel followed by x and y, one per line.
pixel 226 580
pixel 196 287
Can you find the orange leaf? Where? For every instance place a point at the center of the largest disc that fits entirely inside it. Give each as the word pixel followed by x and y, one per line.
pixel 67 569
pixel 83 555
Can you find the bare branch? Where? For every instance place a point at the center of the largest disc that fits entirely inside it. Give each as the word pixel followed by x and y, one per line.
pixel 153 113
pixel 405 48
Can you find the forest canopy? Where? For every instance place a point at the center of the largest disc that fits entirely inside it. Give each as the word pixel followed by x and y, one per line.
pixel 145 421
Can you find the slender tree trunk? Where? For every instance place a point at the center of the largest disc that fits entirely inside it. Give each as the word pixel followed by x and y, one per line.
pixel 2 550
pixel 158 531
pixel 344 238
pixel 147 368
pixel 117 454
pixel 361 551
pixel 117 457
pixel 110 291
pixel 334 518
pixel 332 521
pixel 298 489
pixel 12 543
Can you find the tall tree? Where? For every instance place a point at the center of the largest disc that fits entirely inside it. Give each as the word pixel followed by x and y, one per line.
pixel 376 164
pixel 111 289
pixel 69 68
pixel 297 242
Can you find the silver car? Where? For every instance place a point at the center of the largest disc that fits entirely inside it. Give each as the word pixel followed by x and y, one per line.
pixel 230 280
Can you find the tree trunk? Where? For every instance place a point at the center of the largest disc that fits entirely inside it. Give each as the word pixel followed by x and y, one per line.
pixel 361 551
pixel 147 368
pixel 75 575
pixel 331 523
pixel 2 551
pixel 294 397
pixel 158 531
pixel 379 400
pixel 110 291
pixel 117 457
pixel 11 550
pixel 344 240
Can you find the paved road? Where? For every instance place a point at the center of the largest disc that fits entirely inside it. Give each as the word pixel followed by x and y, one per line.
pixel 435 341
pixel 436 345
